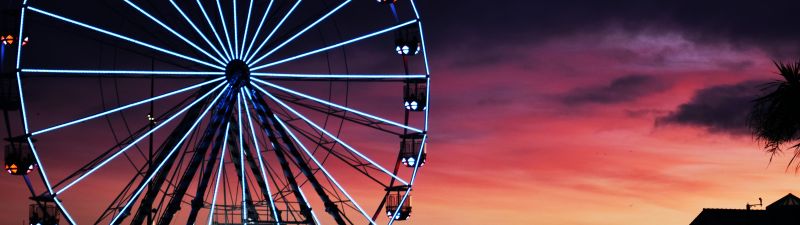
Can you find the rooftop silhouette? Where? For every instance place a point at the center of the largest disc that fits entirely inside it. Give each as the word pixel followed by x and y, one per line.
pixel 778 213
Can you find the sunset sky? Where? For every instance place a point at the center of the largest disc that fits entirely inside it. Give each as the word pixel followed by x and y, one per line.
pixel 590 112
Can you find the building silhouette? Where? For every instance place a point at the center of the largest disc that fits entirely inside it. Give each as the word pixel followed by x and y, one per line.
pixel 785 211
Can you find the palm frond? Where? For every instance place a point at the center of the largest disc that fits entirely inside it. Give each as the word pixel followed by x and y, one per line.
pixel 775 117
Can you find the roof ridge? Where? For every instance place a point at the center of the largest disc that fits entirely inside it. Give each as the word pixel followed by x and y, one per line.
pixel 790 200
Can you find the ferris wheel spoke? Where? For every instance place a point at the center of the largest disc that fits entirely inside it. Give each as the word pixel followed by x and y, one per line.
pixel 241 156
pixel 373 34
pixel 235 30
pixel 334 105
pixel 225 29
pixel 334 10
pixel 339 77
pixel 199 33
pixel 214 30
pixel 341 114
pixel 321 167
pixel 260 160
pixel 100 30
pixel 133 143
pixel 173 32
pixel 219 174
pixel 125 107
pixel 260 25
pixel 160 166
pixel 331 136
pixel 291 10
pixel 246 27
pixel 189 74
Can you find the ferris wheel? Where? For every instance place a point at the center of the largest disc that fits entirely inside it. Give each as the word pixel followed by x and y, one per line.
pixel 222 112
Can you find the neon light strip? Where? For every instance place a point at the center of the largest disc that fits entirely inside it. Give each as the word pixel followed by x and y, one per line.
pixel 241 157
pixel 246 27
pixel 333 136
pixel 335 105
pixel 39 164
pixel 214 30
pixel 414 6
pixel 140 72
pixel 335 46
pixel 142 137
pixel 19 81
pixel 428 71
pixel 174 32
pixel 301 32
pixel 258 153
pixel 273 31
pixel 64 210
pixel 219 174
pixel 424 49
pixel 126 106
pixel 171 152
pixel 325 171
pixel 21 23
pixel 260 24
pixel 339 76
pixel 124 38
pixel 200 33
pixel 235 31
pixel 225 28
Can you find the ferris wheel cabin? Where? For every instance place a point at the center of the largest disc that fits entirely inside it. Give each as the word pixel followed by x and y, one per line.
pixel 410 148
pixel 415 95
pixel 396 204
pixel 407 41
pixel 18 159
pixel 44 214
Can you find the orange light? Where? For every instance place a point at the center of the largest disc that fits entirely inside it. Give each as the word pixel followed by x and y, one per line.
pixel 14 168
pixel 8 40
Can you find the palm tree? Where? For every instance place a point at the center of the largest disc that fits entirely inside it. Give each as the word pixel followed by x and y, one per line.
pixel 775 116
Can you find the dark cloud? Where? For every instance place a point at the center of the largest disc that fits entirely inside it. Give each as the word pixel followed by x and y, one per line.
pixel 480 24
pixel 620 90
pixel 720 109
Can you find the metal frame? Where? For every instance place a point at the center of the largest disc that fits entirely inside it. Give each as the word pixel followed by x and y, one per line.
pixel 297 162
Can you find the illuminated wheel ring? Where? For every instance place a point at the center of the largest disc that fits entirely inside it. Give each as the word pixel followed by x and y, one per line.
pixel 231 92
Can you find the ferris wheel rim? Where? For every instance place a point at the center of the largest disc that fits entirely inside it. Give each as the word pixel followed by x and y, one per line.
pixel 244 53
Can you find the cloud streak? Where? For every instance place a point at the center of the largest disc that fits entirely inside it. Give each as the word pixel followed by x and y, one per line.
pixel 621 90
pixel 719 109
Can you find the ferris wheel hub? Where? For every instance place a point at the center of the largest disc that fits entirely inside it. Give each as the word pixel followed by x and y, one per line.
pixel 238 73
